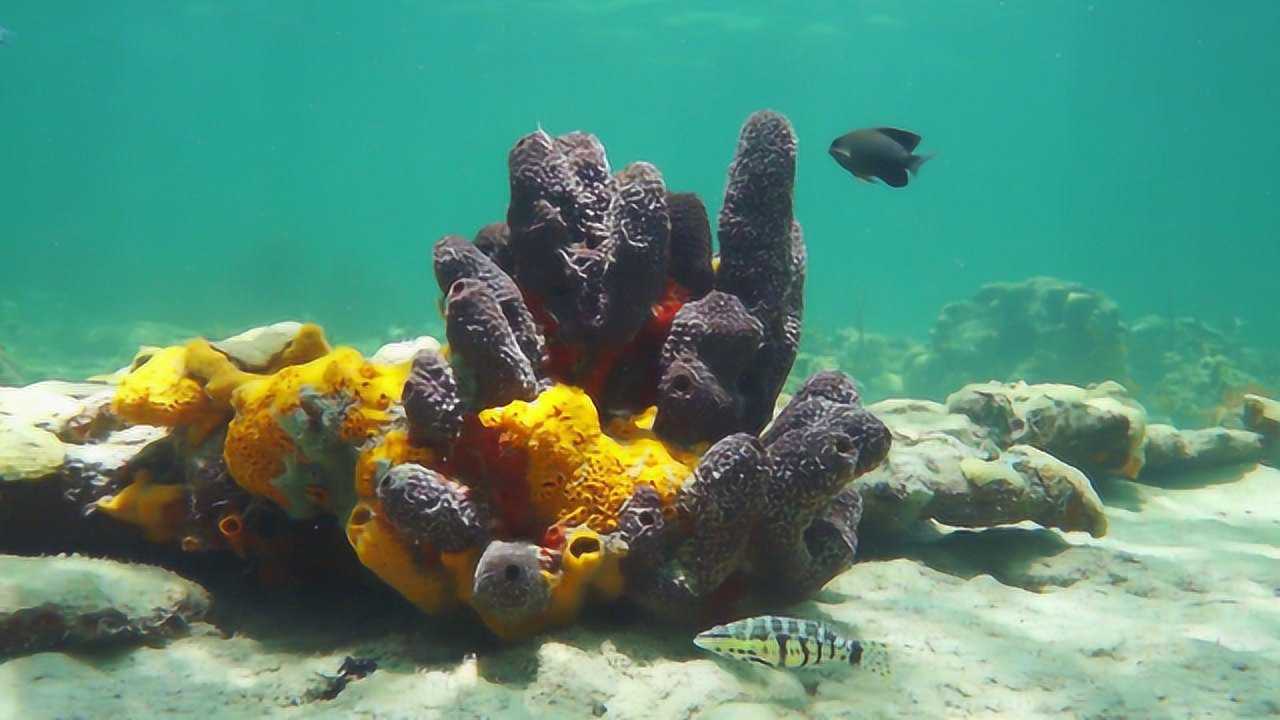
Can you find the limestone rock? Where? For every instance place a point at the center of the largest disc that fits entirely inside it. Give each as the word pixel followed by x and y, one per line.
pixel 910 417
pixel 62 408
pixel 943 466
pixel 253 349
pixel 1098 429
pixel 1028 484
pixel 1262 415
pixel 404 350
pixel 1170 450
pixel 66 602
pixel 28 452
pixel 61 449
pixel 116 449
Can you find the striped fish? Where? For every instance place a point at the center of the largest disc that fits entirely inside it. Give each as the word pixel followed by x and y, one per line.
pixel 783 642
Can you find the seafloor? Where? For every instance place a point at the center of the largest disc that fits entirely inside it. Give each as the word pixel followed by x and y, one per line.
pixel 1174 614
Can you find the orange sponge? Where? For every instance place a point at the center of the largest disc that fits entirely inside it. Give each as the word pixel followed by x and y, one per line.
pixel 347 403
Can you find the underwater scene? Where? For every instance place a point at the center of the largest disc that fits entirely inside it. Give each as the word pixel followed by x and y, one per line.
pixel 639 359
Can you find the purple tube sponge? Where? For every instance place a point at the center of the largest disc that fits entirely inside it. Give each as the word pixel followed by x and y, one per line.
pixel 762 257
pixel 591 247
pixel 709 351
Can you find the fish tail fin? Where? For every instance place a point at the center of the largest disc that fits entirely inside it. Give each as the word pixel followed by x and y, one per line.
pixel 915 161
pixel 875 658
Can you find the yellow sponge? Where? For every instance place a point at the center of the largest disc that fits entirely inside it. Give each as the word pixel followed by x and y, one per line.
pixel 258 449
pixel 380 550
pixel 576 474
pixel 159 510
pixel 160 392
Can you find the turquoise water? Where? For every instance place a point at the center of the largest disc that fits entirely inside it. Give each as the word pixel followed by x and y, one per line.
pixel 211 165
pixel 172 168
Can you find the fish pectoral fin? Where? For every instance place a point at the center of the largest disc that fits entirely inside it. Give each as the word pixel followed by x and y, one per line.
pixel 907 139
pixel 865 178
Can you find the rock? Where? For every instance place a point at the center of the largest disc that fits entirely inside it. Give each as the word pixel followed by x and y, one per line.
pixel 253 349
pixel 49 515
pixel 1039 330
pixel 1170 450
pixel 1262 415
pixel 943 467
pixel 1027 483
pixel 28 452
pixel 47 426
pixel 61 449
pixel 74 602
pixel 1097 429
pixel 55 406
pixel 915 417
pixel 404 350
pixel 116 450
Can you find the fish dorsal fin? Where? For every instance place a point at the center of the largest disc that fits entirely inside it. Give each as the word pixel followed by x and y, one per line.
pixel 908 140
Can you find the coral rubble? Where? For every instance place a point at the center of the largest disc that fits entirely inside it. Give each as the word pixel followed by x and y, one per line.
pixel 1098 429
pixel 1168 448
pixel 946 467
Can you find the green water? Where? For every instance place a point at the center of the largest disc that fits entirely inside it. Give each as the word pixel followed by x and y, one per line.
pixel 214 165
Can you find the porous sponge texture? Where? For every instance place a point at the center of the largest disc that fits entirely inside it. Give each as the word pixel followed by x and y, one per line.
pixel 390 450
pixel 577 475
pixel 159 392
pixel 258 447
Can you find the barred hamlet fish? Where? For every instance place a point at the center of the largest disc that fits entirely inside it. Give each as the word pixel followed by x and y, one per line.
pixel 783 642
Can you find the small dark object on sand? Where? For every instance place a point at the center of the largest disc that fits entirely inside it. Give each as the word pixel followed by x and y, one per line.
pixel 884 153
pixel 352 668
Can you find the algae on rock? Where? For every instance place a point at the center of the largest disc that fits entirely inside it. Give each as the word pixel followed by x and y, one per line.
pixel 75 602
pixel 943 466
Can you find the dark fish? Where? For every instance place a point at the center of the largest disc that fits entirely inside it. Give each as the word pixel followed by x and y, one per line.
pixel 883 153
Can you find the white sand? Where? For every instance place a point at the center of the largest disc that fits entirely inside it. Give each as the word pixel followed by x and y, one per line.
pixel 1176 614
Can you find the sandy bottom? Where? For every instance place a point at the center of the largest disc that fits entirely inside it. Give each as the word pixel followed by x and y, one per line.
pixel 1176 614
